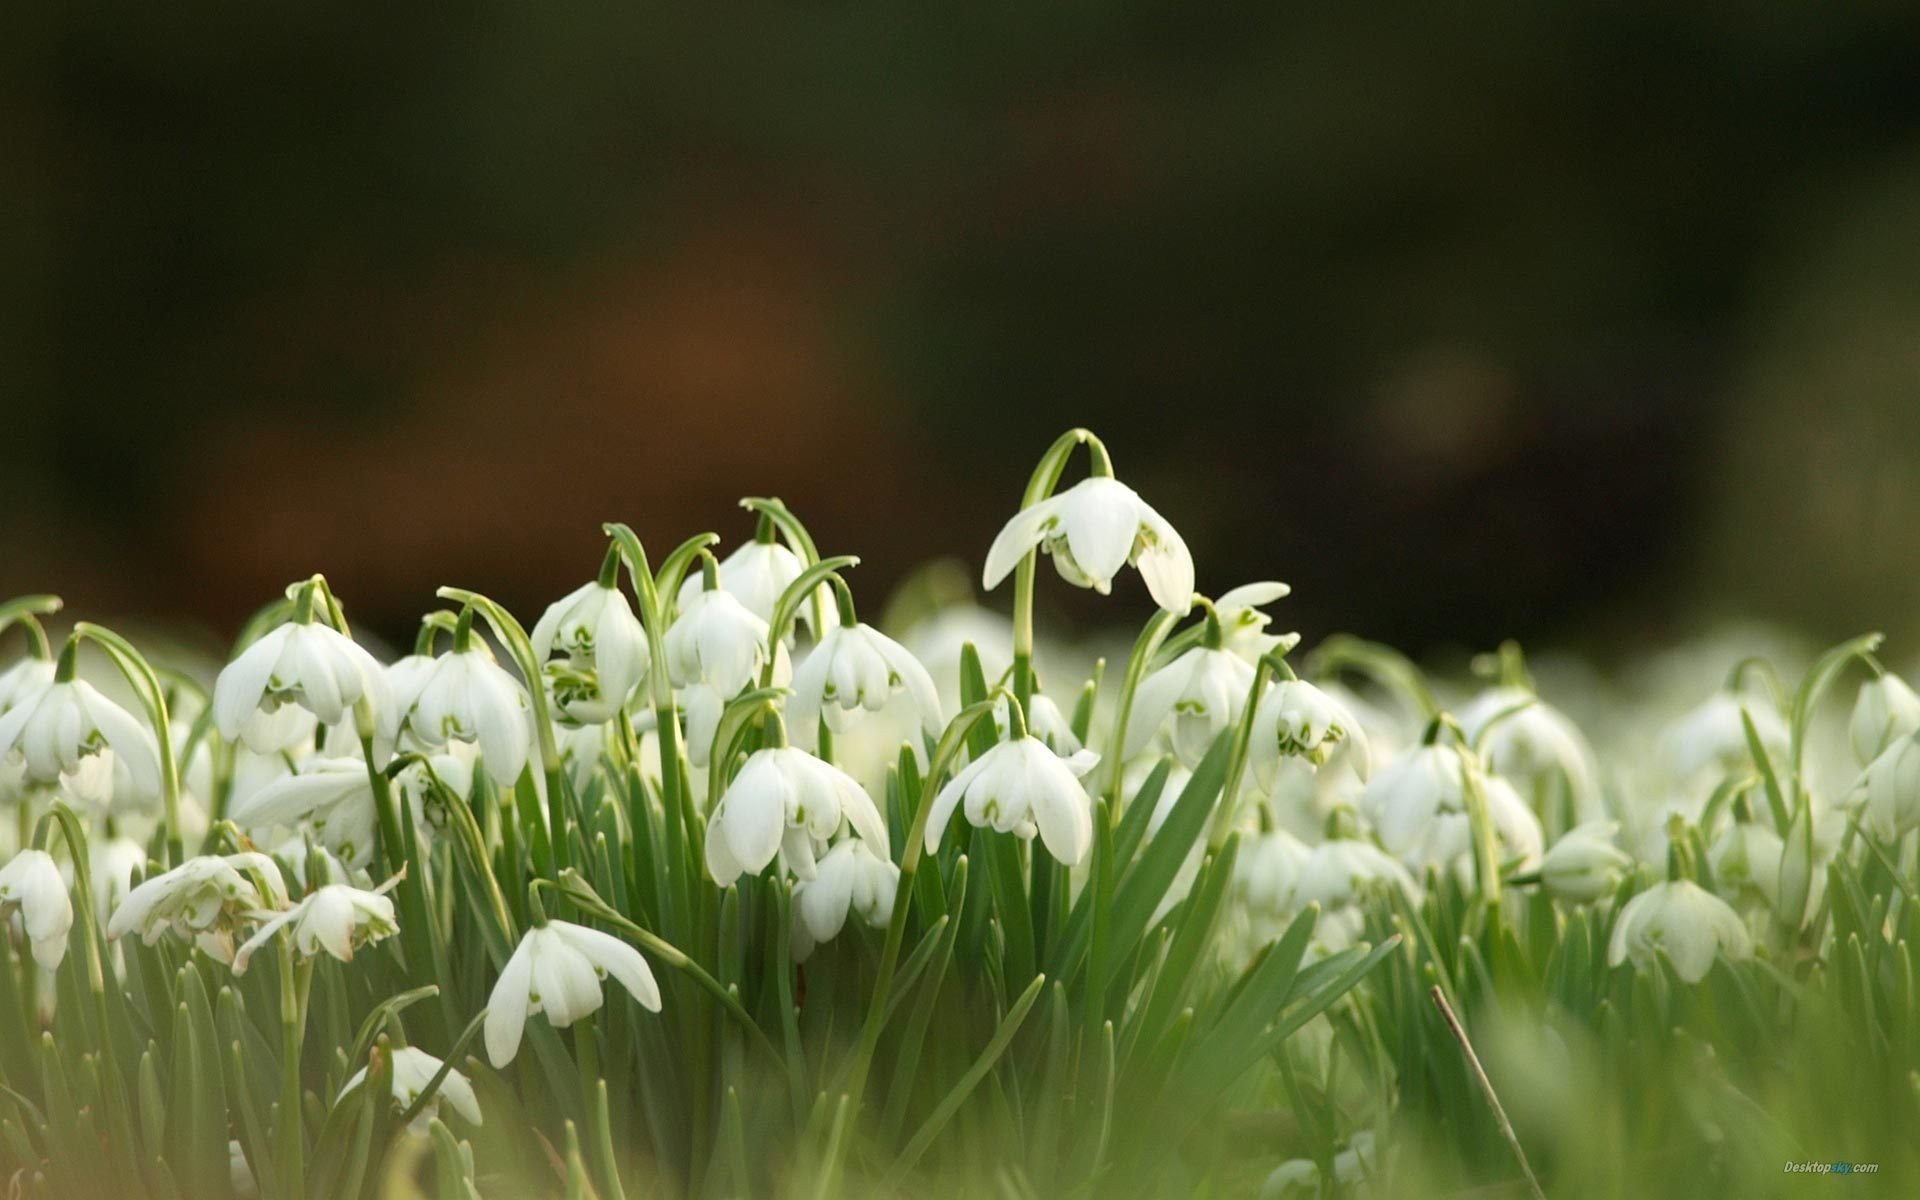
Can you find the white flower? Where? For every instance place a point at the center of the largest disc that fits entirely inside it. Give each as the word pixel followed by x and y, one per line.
pixel 1887 711
pixel 308 666
pixel 1891 785
pixel 784 799
pixel 1202 692
pixel 1533 743
pixel 1297 719
pixel 1713 735
pixel 718 641
pixel 454 768
pixel 204 895
pixel 1092 530
pixel 1584 864
pixel 756 574
pixel 1021 787
pixel 849 876
pixel 1340 876
pixel 330 797
pixel 1517 835
pixel 1044 720
pixel 1745 858
pixel 1352 1168
pixel 335 918
pixel 57 729
pixel 23 679
pixel 857 666
pixel 1268 869
pixel 1407 797
pixel 467 697
pixel 413 1070
pixel 111 863
pixel 1685 921
pixel 1245 626
pixel 32 884
pixel 557 969
pixel 605 651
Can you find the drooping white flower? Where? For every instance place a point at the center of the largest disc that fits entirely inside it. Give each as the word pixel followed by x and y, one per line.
pixel 784 799
pixel 453 767
pixel 335 918
pixel 858 667
pixel 207 895
pixel 1584 864
pixel 23 679
pixel 1199 695
pixel 849 877
pixel 413 1070
pixel 331 798
pixel 1267 871
pixel 467 697
pixel 1745 857
pixel 31 882
pixel 1021 787
pixel 1891 788
pixel 557 969
pixel 1295 719
pixel 1044 720
pixel 1340 876
pixel 1685 921
pixel 756 574
pixel 604 648
pixel 1713 734
pixel 717 641
pixel 1300 1177
pixel 307 666
pixel 1886 711
pixel 1244 626
pixel 1407 797
pixel 1518 838
pixel 111 863
pixel 1527 740
pixel 58 729
pixel 1091 530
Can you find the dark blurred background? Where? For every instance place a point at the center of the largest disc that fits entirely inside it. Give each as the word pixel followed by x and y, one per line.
pixel 1571 322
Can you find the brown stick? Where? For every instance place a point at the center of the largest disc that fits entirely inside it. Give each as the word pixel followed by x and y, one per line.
pixel 1486 1085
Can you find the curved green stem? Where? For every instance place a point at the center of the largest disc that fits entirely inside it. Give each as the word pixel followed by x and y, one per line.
pixel 146 684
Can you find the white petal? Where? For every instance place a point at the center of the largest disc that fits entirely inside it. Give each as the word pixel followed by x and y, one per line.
pixel 1019 535
pixel 243 681
pixel 507 1007
pixel 1102 523
pixel 616 958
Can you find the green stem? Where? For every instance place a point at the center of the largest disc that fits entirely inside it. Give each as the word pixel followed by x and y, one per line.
pixel 146 685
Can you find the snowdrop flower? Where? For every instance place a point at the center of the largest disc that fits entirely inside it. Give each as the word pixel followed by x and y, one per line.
pixel 207 895
pixel 605 651
pixel 1021 787
pixel 1516 831
pixel 1202 692
pixel 1714 736
pixel 1044 719
pixel 857 666
pixel 1407 797
pixel 335 918
pixel 1685 921
pixel 413 1070
pixel 453 766
pixel 32 883
pixel 1245 626
pixel 1525 739
pixel 300 666
pixel 111 863
pixel 1091 530
pixel 1352 1168
pixel 467 697
pixel 1746 861
pixel 1268 869
pixel 57 729
pixel 1891 789
pixel 1584 864
pixel 784 799
pixel 557 969
pixel 330 797
pixel 23 679
pixel 1295 719
pixel 1340 876
pixel 1886 711
pixel 849 877
pixel 755 574
pixel 718 641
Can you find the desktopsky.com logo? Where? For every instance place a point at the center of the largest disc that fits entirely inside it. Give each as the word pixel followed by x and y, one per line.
pixel 1831 1168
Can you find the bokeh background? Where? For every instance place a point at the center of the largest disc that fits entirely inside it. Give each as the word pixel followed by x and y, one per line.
pixel 1578 322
